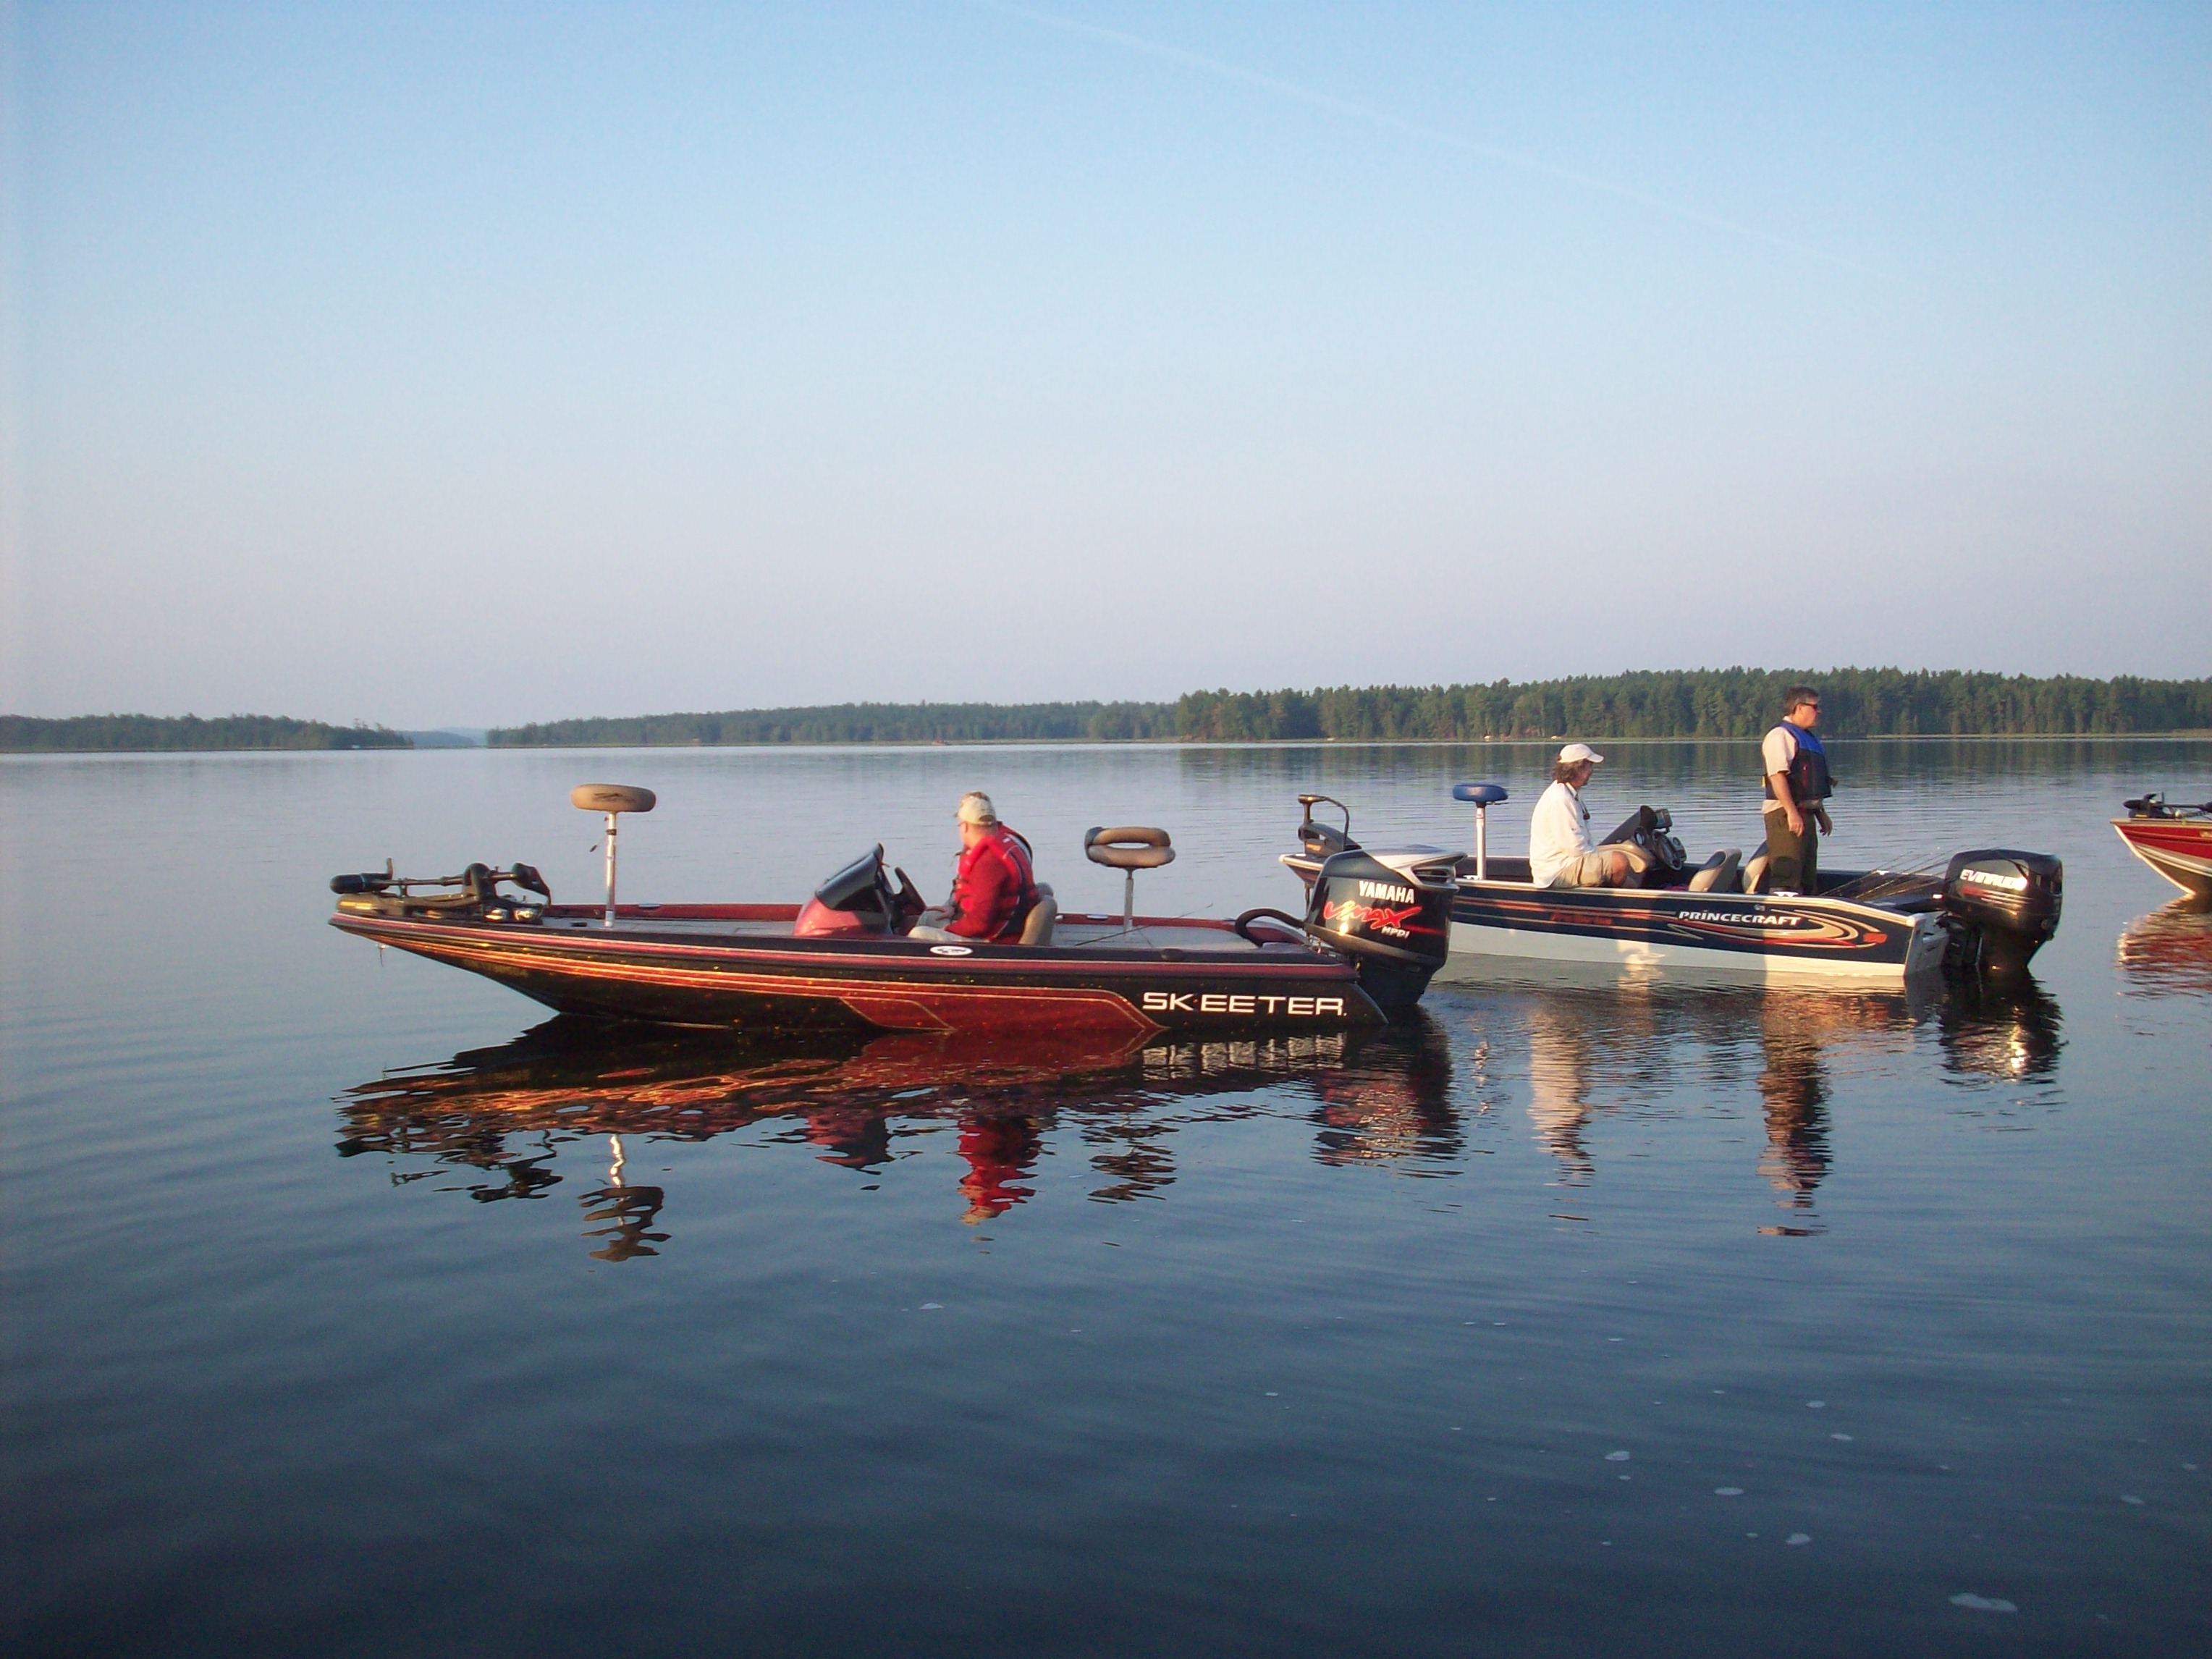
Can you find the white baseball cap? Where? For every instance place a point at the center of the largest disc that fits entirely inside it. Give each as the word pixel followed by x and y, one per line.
pixel 1574 752
pixel 975 808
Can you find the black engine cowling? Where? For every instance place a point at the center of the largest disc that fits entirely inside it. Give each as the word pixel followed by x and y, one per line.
pixel 2001 906
pixel 1397 929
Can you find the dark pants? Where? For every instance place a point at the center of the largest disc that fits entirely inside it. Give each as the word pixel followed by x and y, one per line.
pixel 1792 862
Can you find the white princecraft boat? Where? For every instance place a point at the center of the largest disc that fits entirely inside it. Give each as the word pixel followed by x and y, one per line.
pixel 1989 911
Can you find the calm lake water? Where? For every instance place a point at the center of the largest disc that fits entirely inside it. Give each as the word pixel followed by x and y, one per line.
pixel 352 1308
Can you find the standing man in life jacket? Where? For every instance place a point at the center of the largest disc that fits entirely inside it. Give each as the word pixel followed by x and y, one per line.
pixel 995 887
pixel 1798 789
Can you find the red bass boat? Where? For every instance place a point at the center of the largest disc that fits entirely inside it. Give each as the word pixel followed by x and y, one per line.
pixel 2174 840
pixel 842 959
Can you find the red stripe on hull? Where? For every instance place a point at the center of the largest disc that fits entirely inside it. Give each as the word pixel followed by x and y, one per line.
pixel 815 984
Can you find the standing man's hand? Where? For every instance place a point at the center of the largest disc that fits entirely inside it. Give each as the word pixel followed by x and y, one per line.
pixel 1791 812
pixel 1827 828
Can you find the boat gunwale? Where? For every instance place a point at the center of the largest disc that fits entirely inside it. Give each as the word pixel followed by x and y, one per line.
pixel 894 954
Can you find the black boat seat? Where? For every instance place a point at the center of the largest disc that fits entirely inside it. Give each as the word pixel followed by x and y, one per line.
pixel 1754 870
pixel 1720 873
pixel 1132 847
pixel 611 798
pixel 1129 849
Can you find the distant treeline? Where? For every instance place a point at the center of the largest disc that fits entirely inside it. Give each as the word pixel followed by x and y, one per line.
pixel 1732 703
pixel 20 733
pixel 858 722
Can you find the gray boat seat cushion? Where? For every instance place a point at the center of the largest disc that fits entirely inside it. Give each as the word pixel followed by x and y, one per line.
pixel 1754 870
pixel 1719 873
pixel 1037 930
pixel 1132 847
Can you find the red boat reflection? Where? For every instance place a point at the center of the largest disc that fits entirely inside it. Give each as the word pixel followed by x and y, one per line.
pixel 506 1112
pixel 2168 953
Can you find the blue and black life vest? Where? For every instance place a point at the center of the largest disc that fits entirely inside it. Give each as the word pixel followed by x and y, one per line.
pixel 1808 768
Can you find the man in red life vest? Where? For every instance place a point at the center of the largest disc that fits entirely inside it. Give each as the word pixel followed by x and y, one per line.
pixel 995 887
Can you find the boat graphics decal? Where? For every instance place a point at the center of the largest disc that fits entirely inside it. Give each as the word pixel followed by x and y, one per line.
pixel 1750 925
pixel 618 974
pixel 891 1005
pixel 2166 835
pixel 1208 1002
pixel 1347 914
pixel 2182 851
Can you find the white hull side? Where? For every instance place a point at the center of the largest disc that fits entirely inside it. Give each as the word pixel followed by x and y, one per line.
pixel 1473 949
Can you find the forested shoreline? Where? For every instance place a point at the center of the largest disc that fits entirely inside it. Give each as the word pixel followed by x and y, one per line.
pixel 858 722
pixel 1734 703
pixel 125 733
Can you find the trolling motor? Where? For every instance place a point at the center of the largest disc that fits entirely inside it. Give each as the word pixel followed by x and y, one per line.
pixel 2154 805
pixel 472 895
pixel 1322 840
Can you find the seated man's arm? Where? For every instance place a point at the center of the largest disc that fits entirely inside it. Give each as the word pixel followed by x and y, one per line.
pixel 1554 836
pixel 985 899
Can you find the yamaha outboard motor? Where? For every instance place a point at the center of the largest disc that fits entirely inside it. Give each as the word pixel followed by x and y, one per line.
pixel 2001 906
pixel 1396 929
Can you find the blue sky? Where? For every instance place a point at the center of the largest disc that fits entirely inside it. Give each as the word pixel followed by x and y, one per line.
pixel 481 363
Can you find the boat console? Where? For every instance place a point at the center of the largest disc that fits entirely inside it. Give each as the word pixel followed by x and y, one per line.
pixel 860 899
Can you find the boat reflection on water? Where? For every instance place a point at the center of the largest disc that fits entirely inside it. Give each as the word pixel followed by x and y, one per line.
pixel 2168 953
pixel 507 1113
pixel 1628 1047
pixel 1649 1049
pixel 1649 1046
pixel 2008 1032
pixel 1391 1101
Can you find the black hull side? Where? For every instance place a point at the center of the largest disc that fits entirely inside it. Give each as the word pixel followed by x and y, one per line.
pixel 765 984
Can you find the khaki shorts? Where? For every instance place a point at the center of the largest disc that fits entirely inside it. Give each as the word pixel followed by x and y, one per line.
pixel 1589 870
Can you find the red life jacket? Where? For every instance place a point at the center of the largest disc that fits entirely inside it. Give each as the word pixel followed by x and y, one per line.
pixel 995 888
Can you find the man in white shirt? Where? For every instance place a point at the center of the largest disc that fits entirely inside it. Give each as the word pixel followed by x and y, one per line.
pixel 1559 850
pixel 1798 790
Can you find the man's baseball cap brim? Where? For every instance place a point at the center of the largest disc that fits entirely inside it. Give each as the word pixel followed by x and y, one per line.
pixel 1579 752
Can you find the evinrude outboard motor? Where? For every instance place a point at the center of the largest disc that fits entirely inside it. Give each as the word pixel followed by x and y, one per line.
pixel 1396 929
pixel 2001 906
